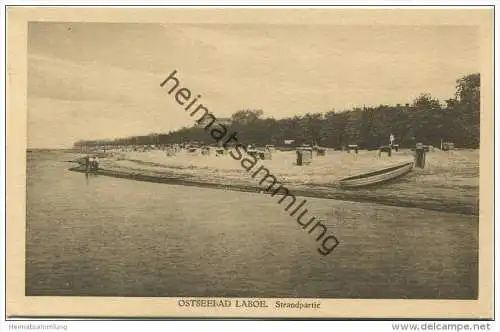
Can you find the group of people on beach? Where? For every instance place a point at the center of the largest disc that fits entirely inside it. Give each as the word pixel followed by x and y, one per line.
pixel 91 163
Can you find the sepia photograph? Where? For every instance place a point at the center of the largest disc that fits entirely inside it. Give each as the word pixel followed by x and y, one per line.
pixel 255 164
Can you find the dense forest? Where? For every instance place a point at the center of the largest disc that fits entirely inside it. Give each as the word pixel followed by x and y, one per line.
pixel 426 120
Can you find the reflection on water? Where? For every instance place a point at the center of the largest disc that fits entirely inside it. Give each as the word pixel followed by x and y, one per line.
pixel 103 236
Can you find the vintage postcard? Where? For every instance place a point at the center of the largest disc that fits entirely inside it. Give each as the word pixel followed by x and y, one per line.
pixel 250 162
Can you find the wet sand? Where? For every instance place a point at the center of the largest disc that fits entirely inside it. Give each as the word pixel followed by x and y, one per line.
pixel 449 182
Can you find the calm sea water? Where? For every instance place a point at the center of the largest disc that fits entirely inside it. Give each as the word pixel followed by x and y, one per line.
pixel 103 236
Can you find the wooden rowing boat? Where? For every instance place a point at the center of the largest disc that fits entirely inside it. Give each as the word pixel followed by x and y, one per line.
pixel 376 177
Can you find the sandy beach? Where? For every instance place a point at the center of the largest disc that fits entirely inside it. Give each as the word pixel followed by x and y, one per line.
pixel 449 181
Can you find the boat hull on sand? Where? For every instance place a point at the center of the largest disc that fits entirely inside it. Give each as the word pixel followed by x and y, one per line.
pixel 376 177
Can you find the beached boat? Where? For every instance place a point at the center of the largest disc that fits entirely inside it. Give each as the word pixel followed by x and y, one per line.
pixel 376 177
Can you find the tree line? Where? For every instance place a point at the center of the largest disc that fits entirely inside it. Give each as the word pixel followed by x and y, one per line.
pixel 426 120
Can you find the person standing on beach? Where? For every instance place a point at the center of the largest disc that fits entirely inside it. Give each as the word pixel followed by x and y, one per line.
pixel 96 163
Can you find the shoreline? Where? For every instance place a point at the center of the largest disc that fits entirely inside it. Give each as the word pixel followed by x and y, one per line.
pixel 380 195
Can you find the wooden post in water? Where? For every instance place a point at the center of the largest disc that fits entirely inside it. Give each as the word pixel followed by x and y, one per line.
pixel 420 155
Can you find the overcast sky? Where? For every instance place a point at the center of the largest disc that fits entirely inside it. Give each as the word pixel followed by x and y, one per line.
pixel 96 80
